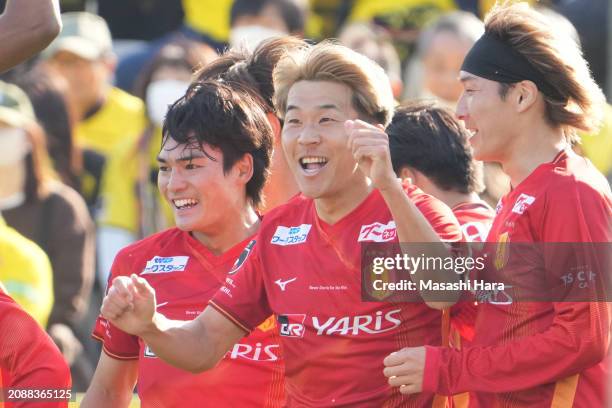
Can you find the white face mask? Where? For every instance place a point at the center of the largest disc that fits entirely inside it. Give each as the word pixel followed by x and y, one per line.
pixel 161 94
pixel 250 36
pixel 14 145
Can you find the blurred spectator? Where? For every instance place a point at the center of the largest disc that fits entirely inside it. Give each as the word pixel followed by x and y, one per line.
pixel 591 22
pixel 105 116
pixel 252 21
pixel 374 43
pixel 210 22
pixel 141 20
pixel 441 49
pixel 131 205
pixel 49 213
pixel 207 21
pixel 25 270
pixel 46 92
pixel 254 70
pixel 433 73
pixel 403 19
pixel 598 146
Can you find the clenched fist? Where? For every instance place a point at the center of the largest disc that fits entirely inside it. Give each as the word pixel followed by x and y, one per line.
pixel 130 304
pixel 370 147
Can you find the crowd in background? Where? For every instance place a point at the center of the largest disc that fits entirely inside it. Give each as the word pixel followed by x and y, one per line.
pixel 80 125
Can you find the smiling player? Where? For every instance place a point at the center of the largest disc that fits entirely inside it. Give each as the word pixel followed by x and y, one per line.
pixel 527 90
pixel 305 265
pixel 212 166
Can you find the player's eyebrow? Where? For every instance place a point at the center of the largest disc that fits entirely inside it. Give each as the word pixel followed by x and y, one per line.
pixel 319 107
pixel 465 77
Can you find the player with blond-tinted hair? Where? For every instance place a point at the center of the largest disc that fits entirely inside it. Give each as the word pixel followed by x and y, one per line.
pixel 526 90
pixel 305 263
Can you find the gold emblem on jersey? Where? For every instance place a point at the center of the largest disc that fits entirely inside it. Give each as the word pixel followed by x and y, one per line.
pixel 502 253
pixel 268 324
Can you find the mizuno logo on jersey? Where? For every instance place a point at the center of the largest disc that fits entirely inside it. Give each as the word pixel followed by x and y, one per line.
pixel 166 264
pixel 522 203
pixel 292 325
pixel 291 235
pixel 377 232
pixel 283 284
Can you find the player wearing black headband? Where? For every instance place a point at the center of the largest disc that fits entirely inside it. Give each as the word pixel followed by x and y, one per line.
pixel 526 90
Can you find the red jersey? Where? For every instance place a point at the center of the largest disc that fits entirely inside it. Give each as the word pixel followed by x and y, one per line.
pixel 29 360
pixel 185 275
pixel 308 274
pixel 475 220
pixel 528 354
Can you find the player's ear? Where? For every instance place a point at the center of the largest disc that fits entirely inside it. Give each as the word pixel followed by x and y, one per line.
pixel 526 93
pixel 275 123
pixel 406 173
pixel 244 168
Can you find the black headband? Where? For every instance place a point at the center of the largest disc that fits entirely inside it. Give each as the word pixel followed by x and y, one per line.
pixel 493 59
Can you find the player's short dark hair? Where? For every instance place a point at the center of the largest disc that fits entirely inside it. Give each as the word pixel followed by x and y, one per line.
pixel 292 11
pixel 427 137
pixel 227 118
pixel 251 70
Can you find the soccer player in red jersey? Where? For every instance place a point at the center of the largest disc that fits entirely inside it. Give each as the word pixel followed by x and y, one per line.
pixel 431 149
pixel 305 266
pixel 526 90
pixel 254 70
pixel 213 163
pixel 29 360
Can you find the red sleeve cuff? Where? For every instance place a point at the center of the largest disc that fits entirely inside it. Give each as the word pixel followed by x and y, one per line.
pixel 230 316
pixel 432 369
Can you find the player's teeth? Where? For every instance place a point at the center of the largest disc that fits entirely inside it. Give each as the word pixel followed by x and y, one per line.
pixel 185 202
pixel 309 160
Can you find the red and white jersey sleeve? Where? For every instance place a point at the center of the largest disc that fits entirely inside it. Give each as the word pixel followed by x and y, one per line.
pixel 116 343
pixel 475 220
pixel 243 298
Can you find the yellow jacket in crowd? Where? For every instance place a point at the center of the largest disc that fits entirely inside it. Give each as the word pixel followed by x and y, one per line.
pixel 25 272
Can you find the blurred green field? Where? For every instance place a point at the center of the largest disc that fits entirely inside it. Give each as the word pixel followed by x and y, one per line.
pixel 134 404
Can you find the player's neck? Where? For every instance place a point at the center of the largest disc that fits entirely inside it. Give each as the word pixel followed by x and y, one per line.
pixel 333 208
pixel 533 147
pixel 453 198
pixel 230 232
pixel 449 197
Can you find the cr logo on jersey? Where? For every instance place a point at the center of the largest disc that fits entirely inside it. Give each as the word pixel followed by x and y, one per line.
pixel 166 264
pixel 522 203
pixel 291 235
pixel 243 257
pixel 377 232
pixel 292 325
